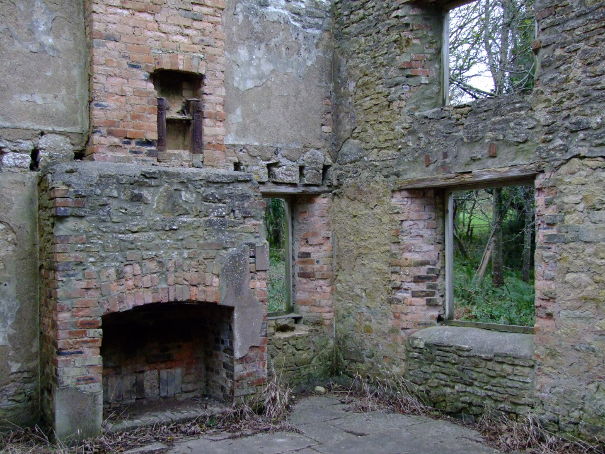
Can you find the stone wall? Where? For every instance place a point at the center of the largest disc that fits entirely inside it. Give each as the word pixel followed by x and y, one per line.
pixel 299 353
pixel 387 66
pixel 279 89
pixel 314 93
pixel 43 119
pixel 391 134
pixel 115 237
pixel 570 336
pixel 364 232
pixel 468 370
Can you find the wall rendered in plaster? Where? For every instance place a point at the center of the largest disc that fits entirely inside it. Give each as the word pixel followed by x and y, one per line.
pixel 18 299
pixel 278 86
pixel 45 85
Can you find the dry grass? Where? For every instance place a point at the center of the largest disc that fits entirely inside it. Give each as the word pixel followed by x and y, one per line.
pixel 265 413
pixel 395 394
pixel 529 436
pixel 525 435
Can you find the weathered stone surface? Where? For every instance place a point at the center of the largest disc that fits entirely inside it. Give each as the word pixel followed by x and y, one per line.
pixel 316 93
pixel 78 414
pixel 326 426
pixel 18 299
pixel 236 292
pixel 468 370
pixel 117 236
pixel 393 112
pixel 299 356
pixel 278 87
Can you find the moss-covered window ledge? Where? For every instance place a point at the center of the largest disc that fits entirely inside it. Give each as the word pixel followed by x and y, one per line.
pixel 283 323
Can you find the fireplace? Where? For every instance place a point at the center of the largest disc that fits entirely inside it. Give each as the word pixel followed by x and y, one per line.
pixel 153 289
pixel 167 351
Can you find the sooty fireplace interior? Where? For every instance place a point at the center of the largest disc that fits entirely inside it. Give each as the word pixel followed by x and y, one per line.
pixel 167 351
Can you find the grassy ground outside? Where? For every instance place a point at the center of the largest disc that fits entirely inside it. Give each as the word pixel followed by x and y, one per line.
pixel 478 295
pixel 511 304
pixel 277 285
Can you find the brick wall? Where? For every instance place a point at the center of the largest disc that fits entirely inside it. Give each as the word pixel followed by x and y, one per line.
pixel 116 237
pixel 313 266
pixel 418 260
pixel 129 41
pixel 167 351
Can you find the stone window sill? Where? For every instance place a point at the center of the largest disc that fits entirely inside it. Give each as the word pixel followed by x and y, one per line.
pixel 285 325
pixel 477 341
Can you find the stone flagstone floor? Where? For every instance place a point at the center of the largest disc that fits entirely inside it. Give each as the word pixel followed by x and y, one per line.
pixel 327 427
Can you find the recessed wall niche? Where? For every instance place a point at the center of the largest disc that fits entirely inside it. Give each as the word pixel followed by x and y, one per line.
pixel 179 110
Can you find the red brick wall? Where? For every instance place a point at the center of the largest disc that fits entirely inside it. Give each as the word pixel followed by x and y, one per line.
pixel 417 268
pixel 313 267
pixel 546 249
pixel 131 39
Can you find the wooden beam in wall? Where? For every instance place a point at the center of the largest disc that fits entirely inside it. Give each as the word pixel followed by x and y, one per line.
pixel 271 189
pixel 506 176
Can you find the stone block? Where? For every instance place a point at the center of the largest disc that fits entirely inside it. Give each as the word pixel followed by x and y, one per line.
pixel 78 415
pixel 262 257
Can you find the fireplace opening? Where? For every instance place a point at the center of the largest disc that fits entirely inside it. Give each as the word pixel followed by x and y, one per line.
pixel 163 354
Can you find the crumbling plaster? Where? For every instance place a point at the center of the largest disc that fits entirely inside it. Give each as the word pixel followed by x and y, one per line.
pixel 278 86
pixel 355 85
pixel 45 85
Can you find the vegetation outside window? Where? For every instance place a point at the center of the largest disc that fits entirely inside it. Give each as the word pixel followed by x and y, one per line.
pixel 278 230
pixel 489 49
pixel 491 243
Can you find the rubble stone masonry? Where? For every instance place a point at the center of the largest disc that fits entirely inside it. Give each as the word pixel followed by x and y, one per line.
pixel 115 237
pixel 336 104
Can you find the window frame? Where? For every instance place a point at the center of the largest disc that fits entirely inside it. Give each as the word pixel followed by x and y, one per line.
pixel 449 307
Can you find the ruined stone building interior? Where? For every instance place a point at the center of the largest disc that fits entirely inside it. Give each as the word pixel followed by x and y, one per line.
pixel 141 140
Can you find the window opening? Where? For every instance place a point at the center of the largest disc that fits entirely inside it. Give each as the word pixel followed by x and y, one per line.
pixel 489 49
pixel 278 230
pixel 490 245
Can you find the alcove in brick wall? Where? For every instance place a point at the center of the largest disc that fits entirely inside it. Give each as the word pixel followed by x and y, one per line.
pixel 179 110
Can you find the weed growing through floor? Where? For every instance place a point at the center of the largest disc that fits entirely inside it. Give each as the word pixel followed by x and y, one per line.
pixel 266 412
